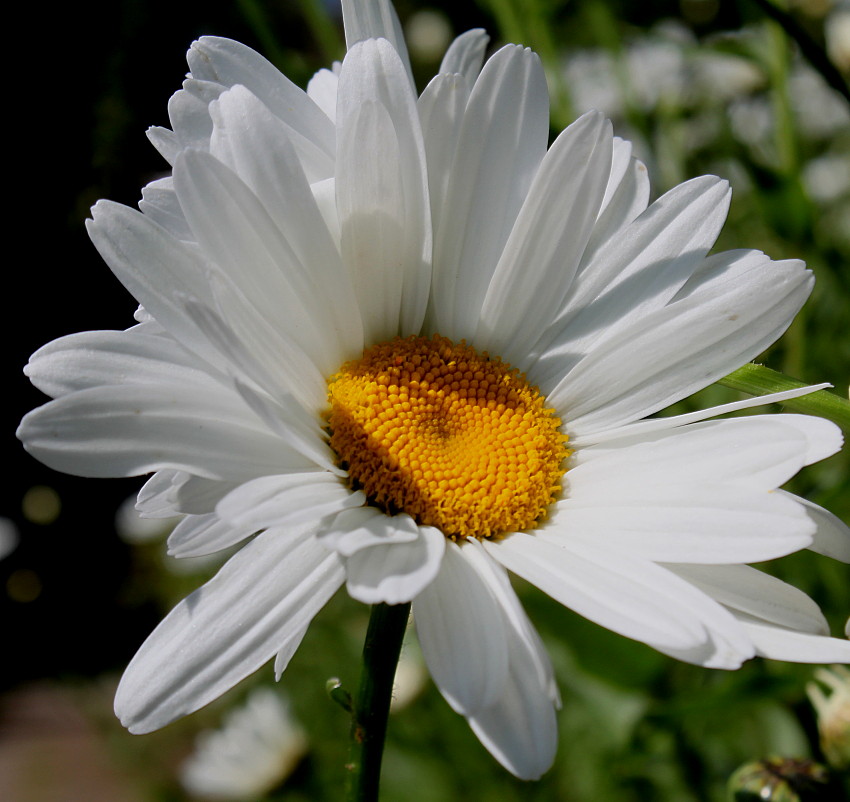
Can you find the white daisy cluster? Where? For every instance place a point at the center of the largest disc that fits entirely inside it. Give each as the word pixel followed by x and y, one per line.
pixel 389 256
pixel 257 747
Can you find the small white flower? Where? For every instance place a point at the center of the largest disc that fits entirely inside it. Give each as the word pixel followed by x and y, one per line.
pixel 371 321
pixel 255 750
pixel 9 537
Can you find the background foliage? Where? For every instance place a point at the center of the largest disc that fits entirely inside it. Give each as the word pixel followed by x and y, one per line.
pixel 701 87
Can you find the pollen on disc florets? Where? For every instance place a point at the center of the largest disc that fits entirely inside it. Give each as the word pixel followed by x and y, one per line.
pixel 453 438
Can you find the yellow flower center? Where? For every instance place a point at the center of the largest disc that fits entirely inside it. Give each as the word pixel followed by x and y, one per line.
pixel 454 438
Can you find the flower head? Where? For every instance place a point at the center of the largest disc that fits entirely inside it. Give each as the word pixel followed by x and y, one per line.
pixel 833 711
pixel 257 748
pixel 414 348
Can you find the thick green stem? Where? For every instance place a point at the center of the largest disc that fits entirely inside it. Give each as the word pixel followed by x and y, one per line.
pixel 369 721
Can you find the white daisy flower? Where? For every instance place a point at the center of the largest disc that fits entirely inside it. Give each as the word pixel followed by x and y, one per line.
pixel 257 747
pixel 413 349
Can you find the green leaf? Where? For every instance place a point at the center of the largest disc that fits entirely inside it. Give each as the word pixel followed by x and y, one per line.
pixel 759 380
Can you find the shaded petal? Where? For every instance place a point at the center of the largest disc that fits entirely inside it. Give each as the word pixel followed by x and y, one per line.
pixel 748 590
pixel 287 499
pixel 322 90
pixel 363 527
pixel 466 55
pixel 398 569
pixel 159 203
pixel 515 618
pixel 188 112
pixel 261 150
pixel 520 730
pixel 261 599
pixel 463 634
pixel 234 228
pixel 778 643
pixel 259 355
pixel 168 493
pixel 293 425
pixel 199 535
pixel 157 269
pixel 832 538
pixel 265 152
pixel 165 141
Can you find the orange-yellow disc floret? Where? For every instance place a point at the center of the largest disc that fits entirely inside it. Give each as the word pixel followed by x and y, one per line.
pixel 455 439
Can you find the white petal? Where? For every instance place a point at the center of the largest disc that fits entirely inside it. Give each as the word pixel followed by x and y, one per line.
pixel 397 570
pixel 626 197
pixel 382 191
pixel 823 438
pixel 674 421
pixel 132 430
pixel 165 141
pixel 95 358
pixel 199 535
pixel 778 643
pixel 630 596
pixel 515 617
pixel 681 348
pixel 238 233
pixel 322 90
pixel 501 143
pixel 263 151
pixel 466 55
pixel 293 425
pixel 748 590
pixel 230 63
pixel 832 538
pixel 188 112
pixel 155 267
pixel 262 598
pixel 286 499
pixel 463 634
pixel 364 527
pixel 441 108
pixel 259 355
pixel 643 267
pixel 168 493
pixel 758 452
pixel 542 253
pixel 375 20
pixel 706 524
pixel 159 203
pixel 520 730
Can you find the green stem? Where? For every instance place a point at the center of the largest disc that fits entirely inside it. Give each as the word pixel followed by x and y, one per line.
pixel 369 721
pixel 759 380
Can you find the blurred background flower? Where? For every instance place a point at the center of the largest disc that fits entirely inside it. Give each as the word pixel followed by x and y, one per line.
pixel 256 748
